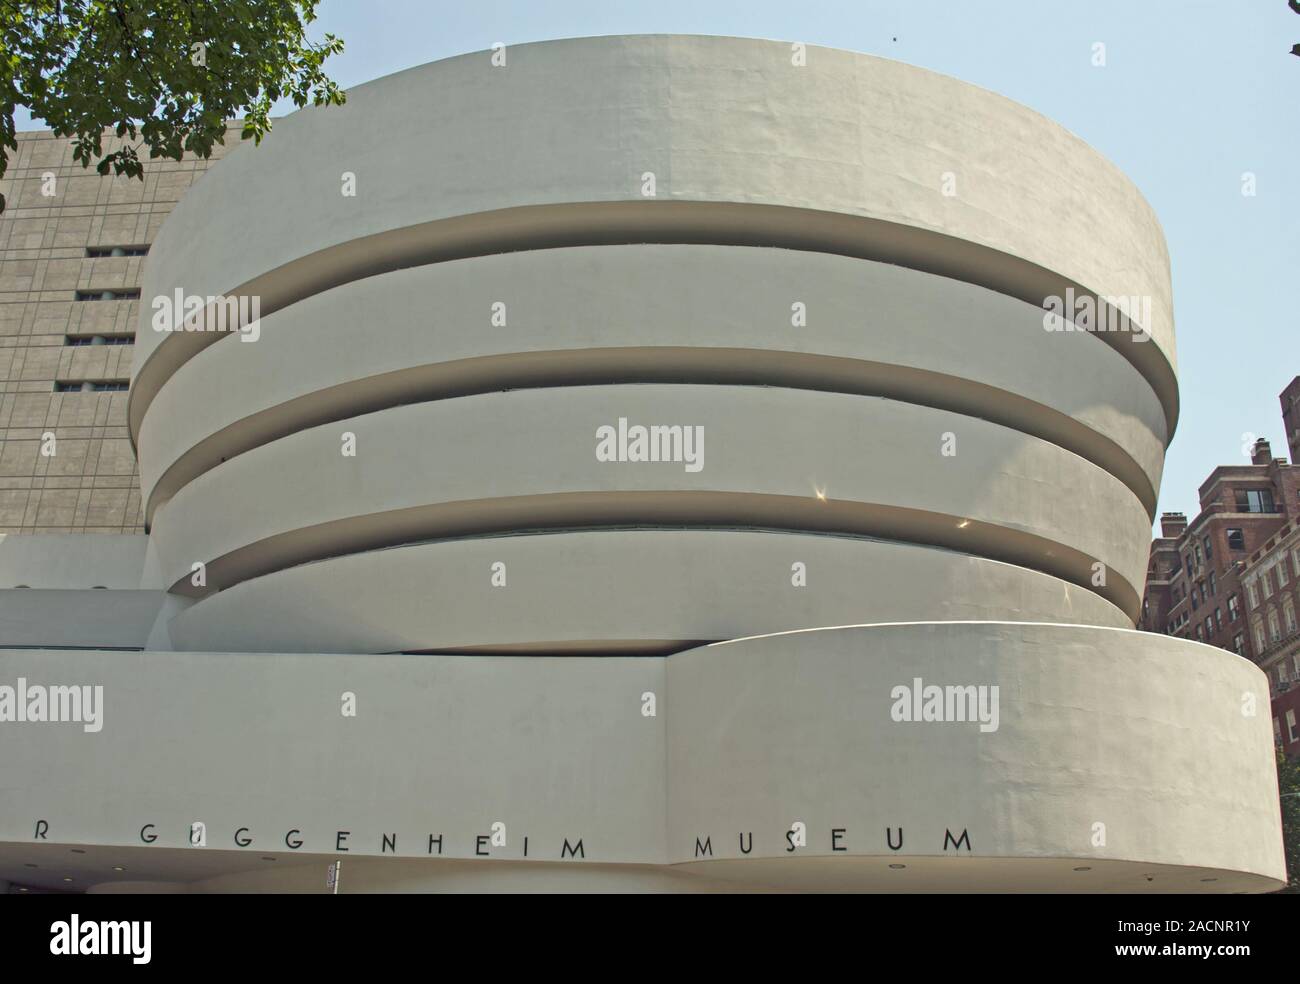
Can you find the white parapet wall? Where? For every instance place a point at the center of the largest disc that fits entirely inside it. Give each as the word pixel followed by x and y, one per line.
pixel 961 755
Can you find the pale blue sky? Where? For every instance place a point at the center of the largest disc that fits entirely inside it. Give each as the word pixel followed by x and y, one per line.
pixel 1194 93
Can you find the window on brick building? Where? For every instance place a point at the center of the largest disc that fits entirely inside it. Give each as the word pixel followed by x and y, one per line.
pixel 1282 576
pixel 1255 500
pixel 1252 593
pixel 1257 629
pixel 1290 725
pixel 1218 619
pixel 1213 588
pixel 1239 644
pixel 1288 616
pixel 1234 607
pixel 1266 583
pixel 1200 632
pixel 1209 550
pixel 1274 626
pixel 1236 539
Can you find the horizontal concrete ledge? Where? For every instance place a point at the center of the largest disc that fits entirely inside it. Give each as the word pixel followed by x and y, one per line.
pixel 618 223
pixel 653 364
pixel 638 590
pixel 669 509
pixel 578 647
pixel 179 872
pixel 115 618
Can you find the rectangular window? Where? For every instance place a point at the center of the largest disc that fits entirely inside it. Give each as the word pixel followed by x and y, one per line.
pixel 1213 588
pixel 1236 539
pixel 1255 500
pixel 1218 619
pixel 89 385
pixel 1188 561
pixel 1290 725
pixel 76 341
pixel 120 294
pixel 1234 608
pixel 1282 575
pixel 1209 550
pixel 1253 595
pixel 96 252
pixel 1239 644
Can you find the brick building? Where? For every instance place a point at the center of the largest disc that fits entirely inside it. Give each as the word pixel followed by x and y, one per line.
pixel 1228 577
pixel 1291 416
pixel 1272 590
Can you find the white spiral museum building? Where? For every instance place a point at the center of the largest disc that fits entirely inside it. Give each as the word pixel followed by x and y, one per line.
pixel 653 468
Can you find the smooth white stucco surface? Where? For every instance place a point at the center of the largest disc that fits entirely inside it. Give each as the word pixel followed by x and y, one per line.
pixel 617 586
pixel 757 441
pixel 746 739
pixel 345 346
pixel 716 120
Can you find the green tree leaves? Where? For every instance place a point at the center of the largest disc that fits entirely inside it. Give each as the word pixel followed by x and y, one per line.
pixel 166 75
pixel 1288 777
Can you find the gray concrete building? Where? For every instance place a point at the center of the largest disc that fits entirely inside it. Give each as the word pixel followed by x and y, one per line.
pixel 629 463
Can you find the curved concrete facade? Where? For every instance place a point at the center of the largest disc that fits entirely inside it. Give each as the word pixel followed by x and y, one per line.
pixel 666 452
pixel 847 153
pixel 421 472
pixel 571 591
pixel 775 762
pixel 654 312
